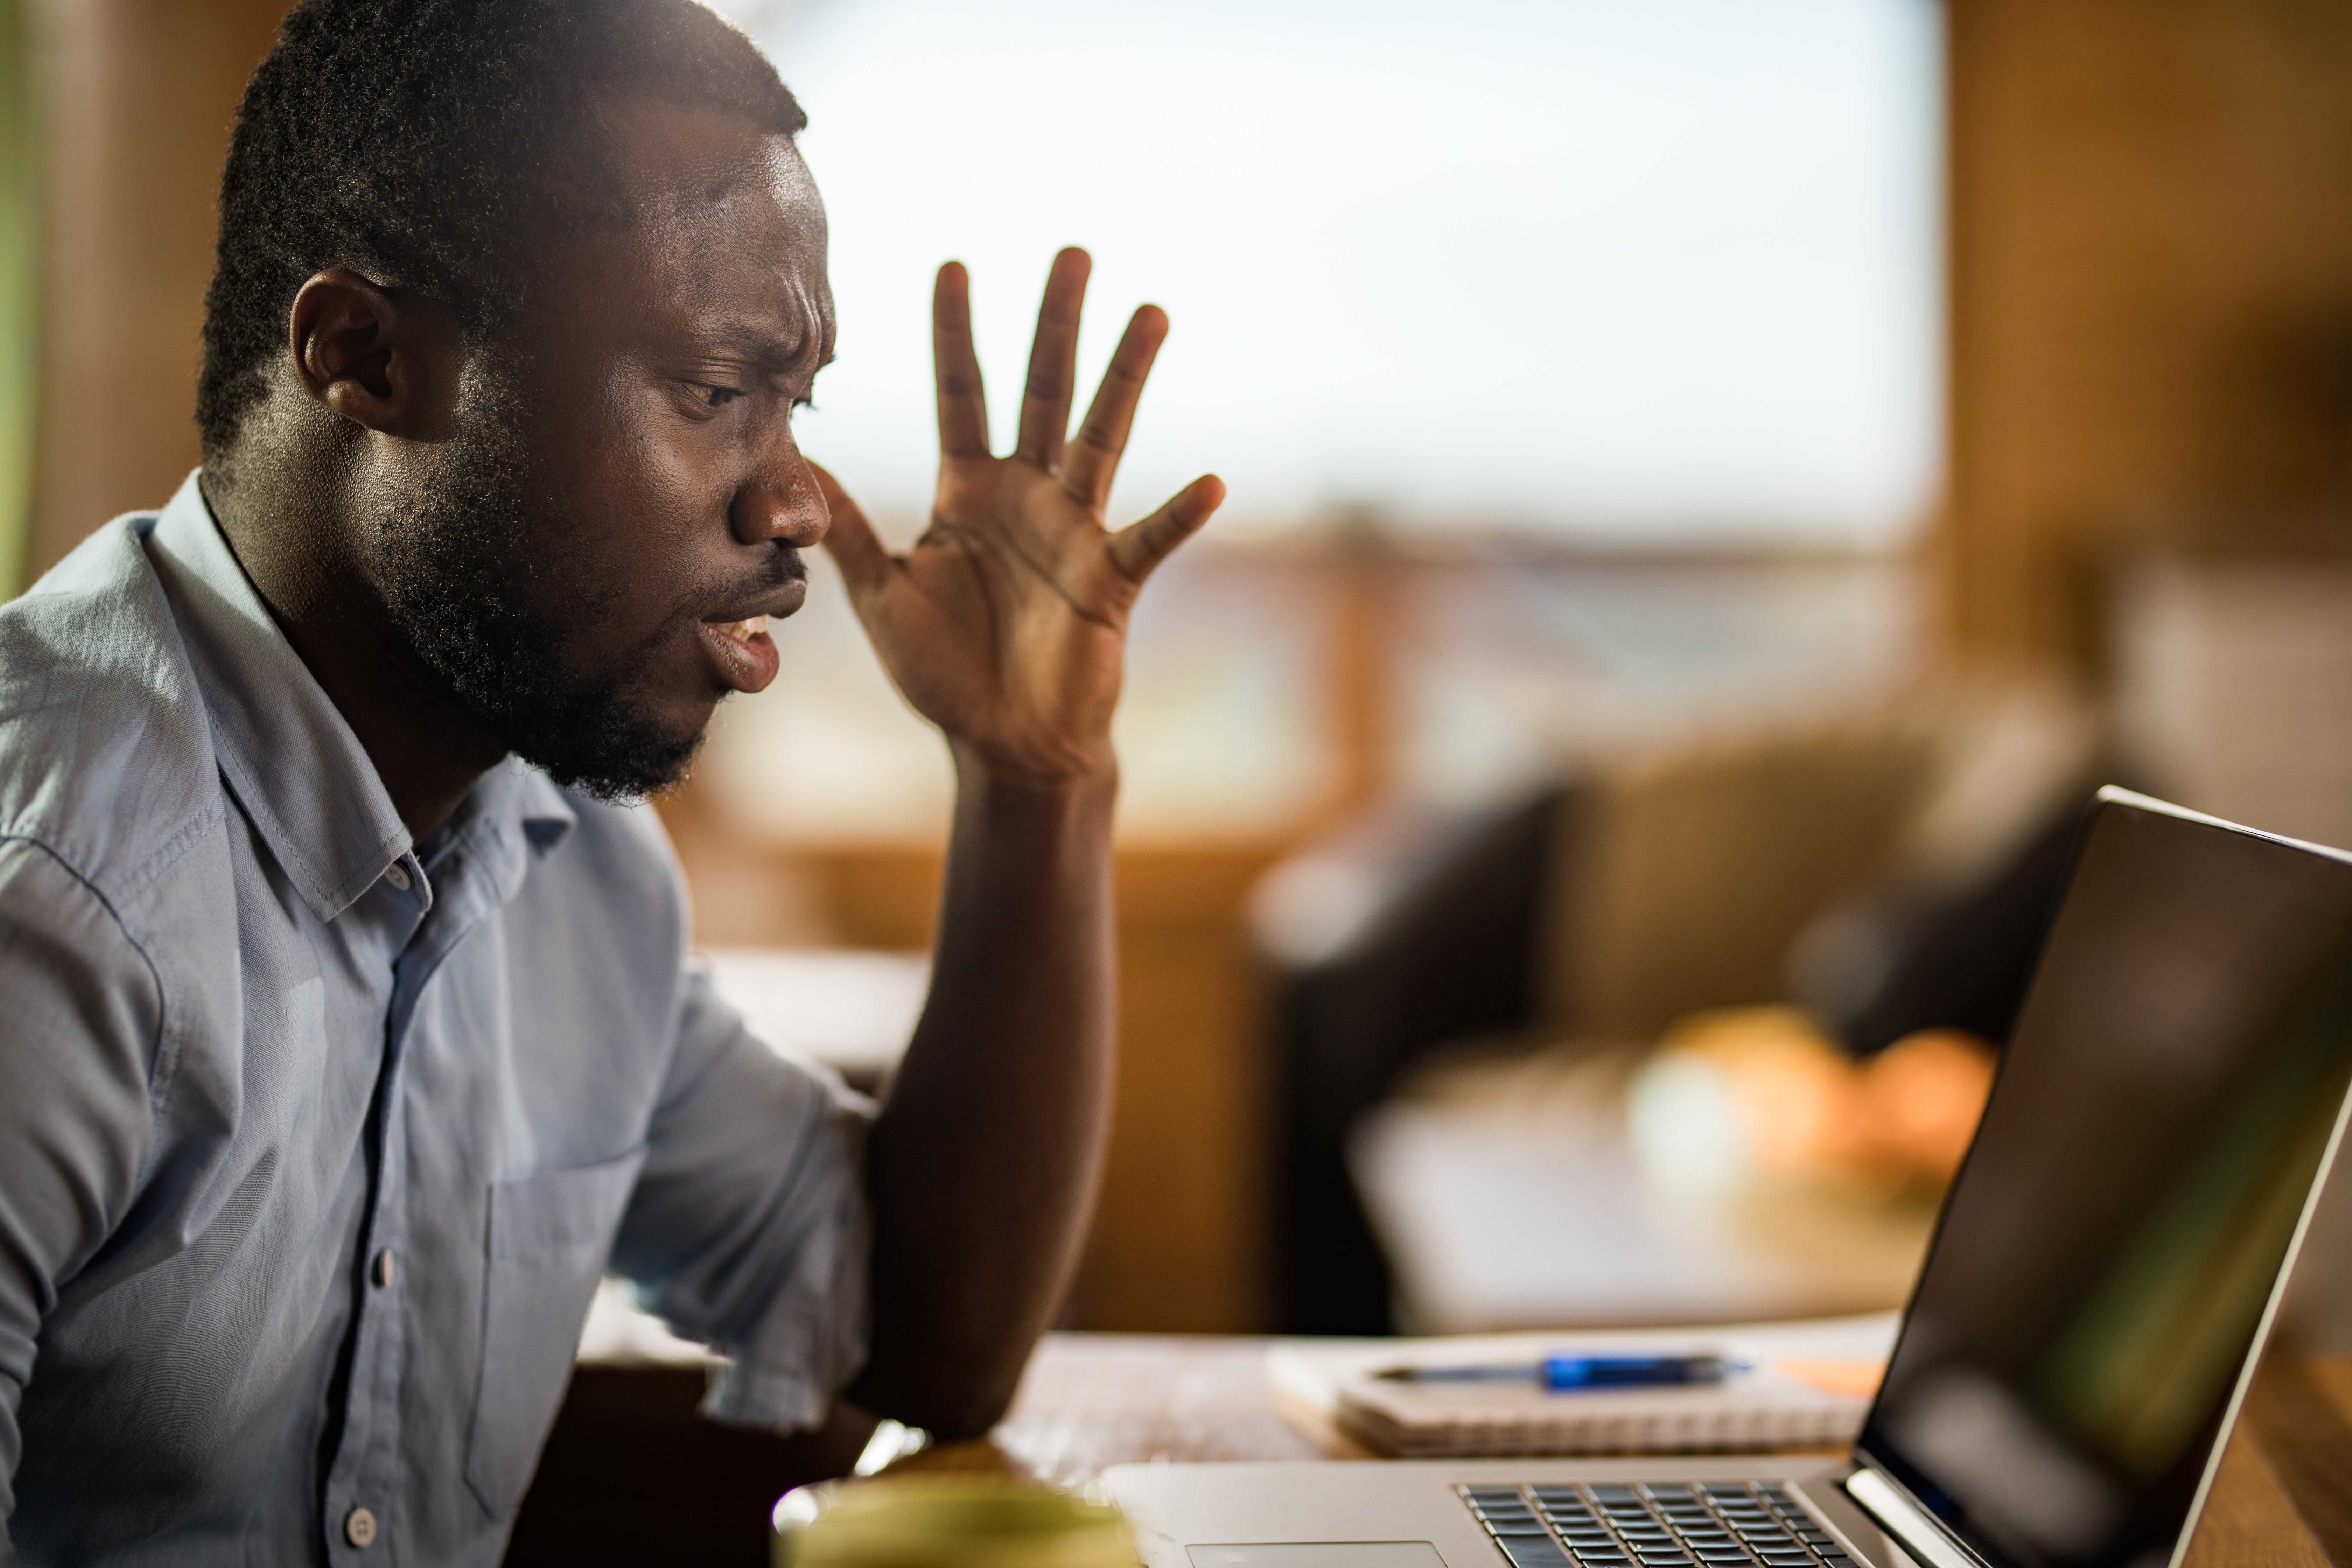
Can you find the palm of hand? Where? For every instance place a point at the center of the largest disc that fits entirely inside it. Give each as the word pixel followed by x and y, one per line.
pixel 1005 624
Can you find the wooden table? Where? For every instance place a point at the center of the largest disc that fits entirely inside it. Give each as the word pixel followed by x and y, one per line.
pixel 1092 1401
pixel 632 1476
pixel 2283 1498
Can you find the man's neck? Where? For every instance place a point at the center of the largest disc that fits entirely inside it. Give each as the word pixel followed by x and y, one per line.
pixel 426 749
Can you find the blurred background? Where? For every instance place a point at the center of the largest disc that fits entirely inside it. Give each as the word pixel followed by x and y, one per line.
pixel 1714 485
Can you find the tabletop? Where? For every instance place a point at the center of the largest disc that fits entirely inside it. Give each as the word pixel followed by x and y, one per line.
pixel 1092 1401
pixel 2283 1499
pixel 631 1474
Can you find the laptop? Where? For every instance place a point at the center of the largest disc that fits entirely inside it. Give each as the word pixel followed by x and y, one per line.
pixel 2088 1316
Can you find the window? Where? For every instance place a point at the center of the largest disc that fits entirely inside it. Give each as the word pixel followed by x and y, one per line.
pixel 1584 276
pixel 1651 269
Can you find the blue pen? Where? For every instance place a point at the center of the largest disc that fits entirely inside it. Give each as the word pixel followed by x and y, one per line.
pixel 1572 1371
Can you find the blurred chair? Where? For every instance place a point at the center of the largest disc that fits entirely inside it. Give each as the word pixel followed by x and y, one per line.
pixel 1601 910
pixel 1395 933
pixel 2232 677
pixel 1896 957
pixel 1681 879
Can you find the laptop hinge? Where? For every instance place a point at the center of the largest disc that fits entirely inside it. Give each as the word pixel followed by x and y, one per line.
pixel 1907 1521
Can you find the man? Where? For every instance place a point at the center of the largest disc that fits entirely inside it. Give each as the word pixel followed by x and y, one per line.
pixel 348 1034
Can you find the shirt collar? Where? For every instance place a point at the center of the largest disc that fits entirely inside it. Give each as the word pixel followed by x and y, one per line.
pixel 284 749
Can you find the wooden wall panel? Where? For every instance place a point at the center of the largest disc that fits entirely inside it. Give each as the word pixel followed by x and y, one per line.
pixel 2151 266
pixel 137 99
pixel 1180 1237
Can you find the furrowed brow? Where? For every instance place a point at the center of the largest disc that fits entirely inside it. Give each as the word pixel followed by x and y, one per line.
pixel 773 355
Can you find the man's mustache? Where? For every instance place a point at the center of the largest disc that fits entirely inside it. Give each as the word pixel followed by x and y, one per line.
pixel 782 563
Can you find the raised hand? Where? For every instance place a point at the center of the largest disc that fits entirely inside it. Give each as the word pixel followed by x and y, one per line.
pixel 1005 624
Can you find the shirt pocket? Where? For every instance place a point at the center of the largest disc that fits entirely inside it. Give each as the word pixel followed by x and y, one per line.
pixel 549 1235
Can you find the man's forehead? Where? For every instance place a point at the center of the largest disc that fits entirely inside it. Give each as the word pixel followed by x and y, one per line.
pixel 688 161
pixel 727 215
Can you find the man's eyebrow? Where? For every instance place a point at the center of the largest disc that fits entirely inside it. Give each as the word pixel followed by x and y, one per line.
pixel 772 353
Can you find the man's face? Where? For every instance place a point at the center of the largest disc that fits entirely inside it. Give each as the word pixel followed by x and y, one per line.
pixel 624 500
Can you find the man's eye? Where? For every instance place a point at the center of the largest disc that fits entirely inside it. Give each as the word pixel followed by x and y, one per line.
pixel 715 396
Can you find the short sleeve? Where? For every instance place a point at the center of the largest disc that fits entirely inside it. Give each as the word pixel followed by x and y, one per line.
pixel 78 1041
pixel 748 1227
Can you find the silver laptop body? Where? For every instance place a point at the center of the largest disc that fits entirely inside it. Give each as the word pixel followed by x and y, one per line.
pixel 2105 1269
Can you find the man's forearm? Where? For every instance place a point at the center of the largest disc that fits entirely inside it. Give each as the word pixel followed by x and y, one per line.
pixel 983 1169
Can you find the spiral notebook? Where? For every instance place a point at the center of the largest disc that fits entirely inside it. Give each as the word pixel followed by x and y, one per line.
pixel 1809 1387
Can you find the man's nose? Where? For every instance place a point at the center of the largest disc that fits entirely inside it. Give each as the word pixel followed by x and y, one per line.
pixel 779 499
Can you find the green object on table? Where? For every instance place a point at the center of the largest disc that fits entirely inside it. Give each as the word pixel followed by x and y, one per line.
pixel 947 1522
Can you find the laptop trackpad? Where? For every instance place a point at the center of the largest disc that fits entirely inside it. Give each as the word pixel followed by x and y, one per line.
pixel 1320 1554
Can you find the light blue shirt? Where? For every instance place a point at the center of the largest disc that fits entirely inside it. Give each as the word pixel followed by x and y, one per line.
pixel 314 1144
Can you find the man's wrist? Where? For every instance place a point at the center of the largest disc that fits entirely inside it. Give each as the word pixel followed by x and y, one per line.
pixel 1076 782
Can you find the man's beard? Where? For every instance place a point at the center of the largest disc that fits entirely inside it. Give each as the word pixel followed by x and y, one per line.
pixel 467 577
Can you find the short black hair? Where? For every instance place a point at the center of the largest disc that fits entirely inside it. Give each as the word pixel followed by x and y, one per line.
pixel 417 141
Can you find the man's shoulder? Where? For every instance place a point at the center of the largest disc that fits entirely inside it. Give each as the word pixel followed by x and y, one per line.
pixel 106 755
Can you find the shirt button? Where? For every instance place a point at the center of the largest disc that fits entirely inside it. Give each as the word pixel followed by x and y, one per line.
pixel 359 1527
pixel 397 875
pixel 383 1272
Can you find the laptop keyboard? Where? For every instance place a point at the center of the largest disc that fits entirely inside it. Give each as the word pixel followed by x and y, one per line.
pixel 1663 1524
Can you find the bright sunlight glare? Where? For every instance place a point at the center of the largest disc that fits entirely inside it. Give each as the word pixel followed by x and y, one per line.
pixel 1639 270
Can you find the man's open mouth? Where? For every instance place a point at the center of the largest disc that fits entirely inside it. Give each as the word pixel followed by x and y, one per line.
pixel 740 653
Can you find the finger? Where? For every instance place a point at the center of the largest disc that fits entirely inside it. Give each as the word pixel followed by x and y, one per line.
pixel 1140 547
pixel 1094 456
pixel 963 406
pixel 864 563
pixel 1054 362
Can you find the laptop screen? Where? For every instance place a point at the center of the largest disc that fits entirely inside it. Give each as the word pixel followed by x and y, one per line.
pixel 2109 1250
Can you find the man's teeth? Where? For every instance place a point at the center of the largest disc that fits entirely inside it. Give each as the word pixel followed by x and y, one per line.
pixel 744 631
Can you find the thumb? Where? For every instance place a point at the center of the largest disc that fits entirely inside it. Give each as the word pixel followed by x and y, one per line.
pixel 1136 549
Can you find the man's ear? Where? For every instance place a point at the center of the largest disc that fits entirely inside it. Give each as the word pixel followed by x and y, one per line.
pixel 383 359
